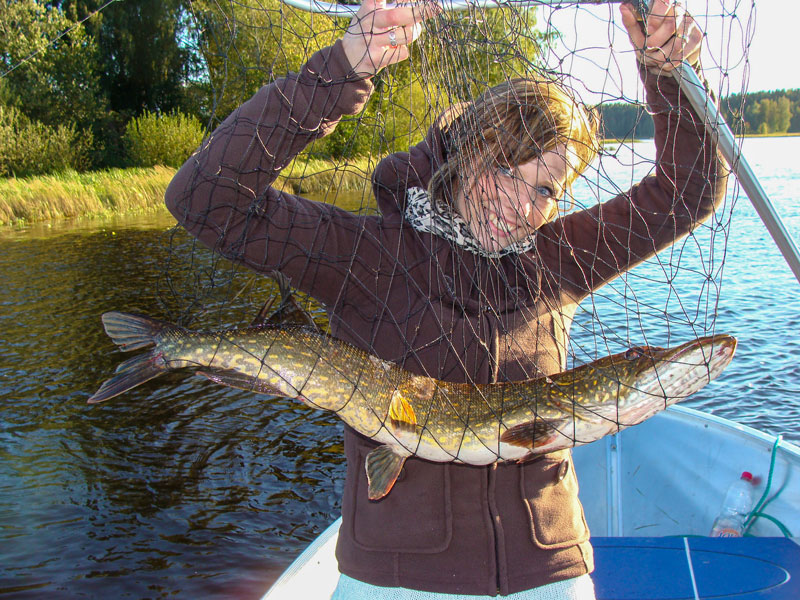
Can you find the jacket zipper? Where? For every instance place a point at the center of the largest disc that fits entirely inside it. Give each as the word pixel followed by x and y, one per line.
pixel 495 517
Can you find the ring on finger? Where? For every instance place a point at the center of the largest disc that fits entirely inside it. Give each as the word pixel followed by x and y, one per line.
pixel 393 39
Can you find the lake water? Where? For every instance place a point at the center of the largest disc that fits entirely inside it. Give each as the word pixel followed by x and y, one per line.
pixel 187 489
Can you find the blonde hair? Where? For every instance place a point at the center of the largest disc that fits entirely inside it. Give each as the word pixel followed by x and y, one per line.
pixel 511 124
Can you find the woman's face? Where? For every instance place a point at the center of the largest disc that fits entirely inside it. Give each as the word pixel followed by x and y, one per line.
pixel 509 204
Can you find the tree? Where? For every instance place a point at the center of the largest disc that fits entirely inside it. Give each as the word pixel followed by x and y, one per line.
pixel 145 57
pixel 466 53
pixel 246 46
pixel 783 115
pixel 775 115
pixel 625 121
pixel 50 64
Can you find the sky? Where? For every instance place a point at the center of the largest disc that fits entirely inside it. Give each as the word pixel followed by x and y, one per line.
pixel 746 48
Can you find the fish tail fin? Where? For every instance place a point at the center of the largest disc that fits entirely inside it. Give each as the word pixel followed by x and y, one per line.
pixel 134 371
pixel 131 332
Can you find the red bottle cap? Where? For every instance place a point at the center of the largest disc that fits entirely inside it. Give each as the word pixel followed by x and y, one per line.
pixel 747 476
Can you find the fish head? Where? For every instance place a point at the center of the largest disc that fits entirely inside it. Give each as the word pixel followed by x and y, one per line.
pixel 667 375
pixel 617 391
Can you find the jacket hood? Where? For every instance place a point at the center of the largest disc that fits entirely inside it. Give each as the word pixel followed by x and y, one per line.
pixel 401 171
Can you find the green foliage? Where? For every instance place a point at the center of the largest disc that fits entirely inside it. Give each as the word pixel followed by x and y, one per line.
pixel 466 53
pixel 776 114
pixel 352 137
pixel 275 39
pixel 144 60
pixel 764 112
pixel 51 78
pixel 145 54
pixel 29 147
pixel 153 139
pixel 625 121
pixel 246 46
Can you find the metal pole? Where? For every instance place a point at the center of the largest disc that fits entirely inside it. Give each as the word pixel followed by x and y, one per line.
pixel 694 90
pixel 334 9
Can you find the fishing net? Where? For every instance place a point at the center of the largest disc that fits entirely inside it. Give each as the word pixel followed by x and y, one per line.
pixel 463 52
pixel 445 314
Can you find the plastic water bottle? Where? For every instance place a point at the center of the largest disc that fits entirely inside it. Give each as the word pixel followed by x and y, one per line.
pixel 738 503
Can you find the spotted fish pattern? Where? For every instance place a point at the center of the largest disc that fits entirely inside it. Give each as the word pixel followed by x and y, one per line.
pixel 410 414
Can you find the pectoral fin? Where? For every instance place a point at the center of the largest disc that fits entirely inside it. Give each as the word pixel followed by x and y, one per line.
pixel 243 382
pixel 383 466
pixel 529 435
pixel 401 413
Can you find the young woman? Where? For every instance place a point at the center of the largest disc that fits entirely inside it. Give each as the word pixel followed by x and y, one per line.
pixel 470 273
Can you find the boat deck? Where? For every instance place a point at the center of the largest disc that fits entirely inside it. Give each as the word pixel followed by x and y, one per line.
pixel 678 568
pixel 626 568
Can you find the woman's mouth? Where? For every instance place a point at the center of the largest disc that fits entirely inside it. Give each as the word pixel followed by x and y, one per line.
pixel 500 227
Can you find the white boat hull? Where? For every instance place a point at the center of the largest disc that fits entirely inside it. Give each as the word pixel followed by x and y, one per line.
pixel 669 475
pixel 665 477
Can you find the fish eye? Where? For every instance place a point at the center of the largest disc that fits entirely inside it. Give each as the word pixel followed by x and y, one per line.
pixel 635 352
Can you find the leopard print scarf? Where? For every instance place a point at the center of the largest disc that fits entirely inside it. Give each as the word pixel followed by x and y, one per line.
pixel 446 223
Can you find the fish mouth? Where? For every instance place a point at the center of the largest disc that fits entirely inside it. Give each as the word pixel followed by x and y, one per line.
pixel 681 371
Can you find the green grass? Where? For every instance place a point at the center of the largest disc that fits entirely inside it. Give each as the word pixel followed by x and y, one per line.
pixel 320 176
pixel 71 195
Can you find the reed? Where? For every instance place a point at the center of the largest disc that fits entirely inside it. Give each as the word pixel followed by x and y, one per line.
pixel 70 195
pixel 321 177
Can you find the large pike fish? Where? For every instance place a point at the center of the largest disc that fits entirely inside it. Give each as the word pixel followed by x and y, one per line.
pixel 414 415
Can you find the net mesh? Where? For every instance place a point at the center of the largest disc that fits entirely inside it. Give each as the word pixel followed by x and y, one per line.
pixel 261 194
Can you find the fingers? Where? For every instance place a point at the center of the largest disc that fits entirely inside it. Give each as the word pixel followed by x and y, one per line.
pixel 399 36
pixel 669 36
pixel 401 15
pixel 632 24
pixel 379 33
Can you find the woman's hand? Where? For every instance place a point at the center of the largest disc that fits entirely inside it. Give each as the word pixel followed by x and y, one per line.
pixel 668 36
pixel 379 34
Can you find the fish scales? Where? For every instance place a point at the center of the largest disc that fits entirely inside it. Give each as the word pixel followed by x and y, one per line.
pixel 408 414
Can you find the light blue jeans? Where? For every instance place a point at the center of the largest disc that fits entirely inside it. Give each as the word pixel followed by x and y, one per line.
pixel 579 588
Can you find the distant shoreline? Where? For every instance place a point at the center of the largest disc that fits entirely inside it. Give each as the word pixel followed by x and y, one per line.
pixel 747 135
pixel 118 192
pixel 793 134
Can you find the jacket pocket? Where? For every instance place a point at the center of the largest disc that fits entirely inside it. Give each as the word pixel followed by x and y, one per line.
pixel 550 493
pixel 415 516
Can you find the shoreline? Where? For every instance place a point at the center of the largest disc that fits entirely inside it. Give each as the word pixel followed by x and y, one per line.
pixel 78 196
pixel 748 135
pixel 71 196
pixel 129 191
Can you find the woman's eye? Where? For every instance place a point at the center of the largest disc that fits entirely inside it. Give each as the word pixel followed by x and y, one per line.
pixel 544 190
